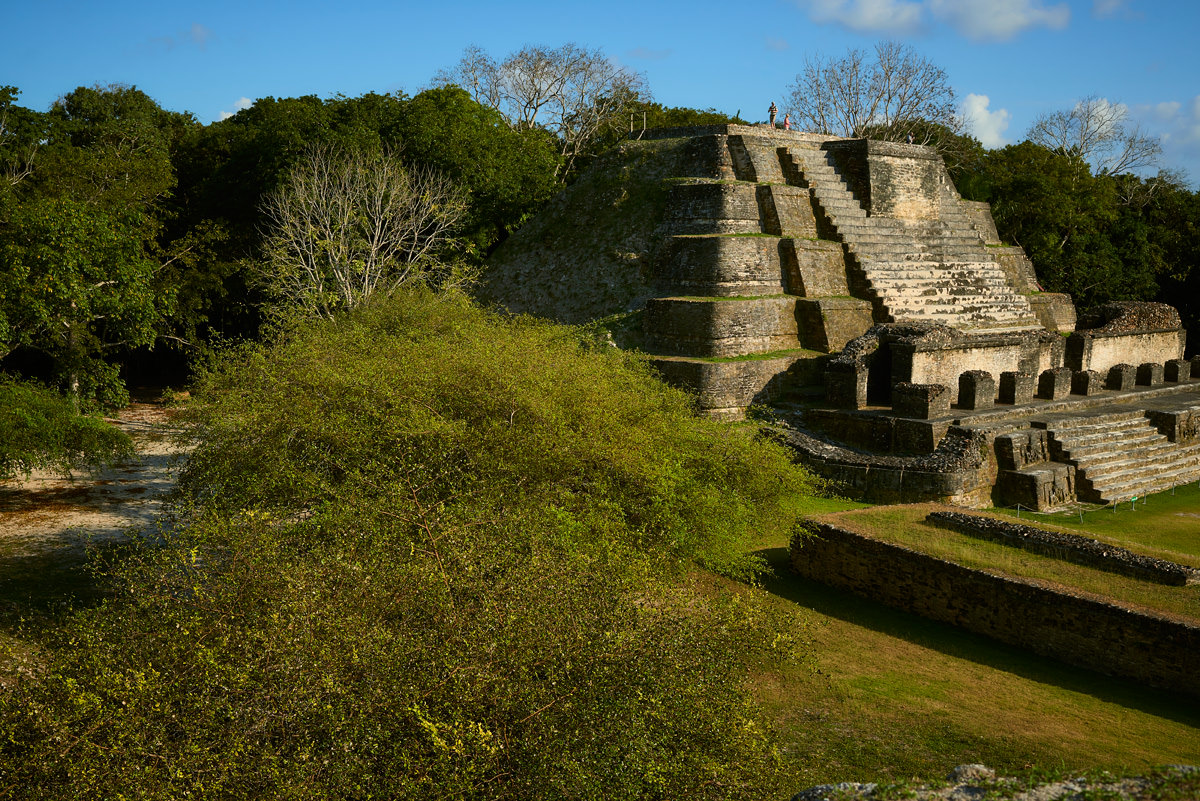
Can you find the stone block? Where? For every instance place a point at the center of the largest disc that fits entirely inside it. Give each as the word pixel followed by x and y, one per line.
pixel 1086 382
pixel 1177 370
pixel 1121 377
pixel 1150 374
pixel 827 324
pixel 976 390
pixel 846 386
pixel 1020 449
pixel 1055 383
pixel 1195 360
pixel 1016 387
pixel 1045 486
pixel 918 436
pixel 920 401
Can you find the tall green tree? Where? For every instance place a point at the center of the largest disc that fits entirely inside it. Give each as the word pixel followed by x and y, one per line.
pixel 1068 221
pixel 80 254
pixel 508 173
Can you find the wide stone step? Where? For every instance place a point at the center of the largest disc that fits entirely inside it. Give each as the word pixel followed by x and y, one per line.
pixel 1097 420
pixel 1096 442
pixel 1101 432
pixel 1166 456
pixel 1154 481
pixel 948 315
pixel 902 251
pixel 896 254
pixel 1101 455
pixel 937 275
pixel 897 301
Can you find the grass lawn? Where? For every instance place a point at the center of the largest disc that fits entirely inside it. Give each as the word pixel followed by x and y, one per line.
pixel 1166 525
pixel 905 525
pixel 884 695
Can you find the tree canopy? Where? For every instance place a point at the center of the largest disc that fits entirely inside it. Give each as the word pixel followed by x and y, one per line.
pixel 891 93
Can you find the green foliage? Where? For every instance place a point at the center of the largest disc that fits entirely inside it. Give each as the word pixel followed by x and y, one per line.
pixel 79 250
pixel 39 428
pixel 1065 219
pixel 426 552
pixel 508 173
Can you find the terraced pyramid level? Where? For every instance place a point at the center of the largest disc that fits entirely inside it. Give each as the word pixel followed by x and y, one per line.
pixel 725 244
pixel 1120 455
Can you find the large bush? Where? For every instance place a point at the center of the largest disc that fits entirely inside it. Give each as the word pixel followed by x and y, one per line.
pixel 425 552
pixel 39 428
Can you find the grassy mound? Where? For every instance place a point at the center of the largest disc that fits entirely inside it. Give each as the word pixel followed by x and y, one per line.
pixel 425 552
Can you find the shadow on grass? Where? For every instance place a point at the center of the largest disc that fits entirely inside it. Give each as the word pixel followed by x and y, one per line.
pixel 963 644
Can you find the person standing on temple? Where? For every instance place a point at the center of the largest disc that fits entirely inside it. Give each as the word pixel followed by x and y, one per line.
pixel 772 111
pixel 787 121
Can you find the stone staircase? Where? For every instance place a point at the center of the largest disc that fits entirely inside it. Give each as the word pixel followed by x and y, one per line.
pixel 1120 455
pixel 929 271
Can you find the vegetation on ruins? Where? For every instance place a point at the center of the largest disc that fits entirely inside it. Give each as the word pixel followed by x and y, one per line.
pixel 421 547
pixel 423 550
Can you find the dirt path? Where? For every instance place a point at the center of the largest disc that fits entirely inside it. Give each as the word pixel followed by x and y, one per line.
pixel 50 519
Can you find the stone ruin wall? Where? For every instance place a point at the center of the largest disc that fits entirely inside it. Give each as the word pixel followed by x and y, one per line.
pixel 1081 631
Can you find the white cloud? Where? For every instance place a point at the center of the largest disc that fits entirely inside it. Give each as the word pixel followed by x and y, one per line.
pixel 867 16
pixel 199 34
pixel 988 126
pixel 1107 8
pixel 975 19
pixel 1164 111
pixel 998 19
pixel 242 103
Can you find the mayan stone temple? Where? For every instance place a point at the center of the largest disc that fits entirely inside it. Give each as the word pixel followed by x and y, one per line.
pixel 844 285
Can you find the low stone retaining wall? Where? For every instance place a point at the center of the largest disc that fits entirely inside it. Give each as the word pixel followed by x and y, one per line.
pixel 1067 547
pixel 1080 631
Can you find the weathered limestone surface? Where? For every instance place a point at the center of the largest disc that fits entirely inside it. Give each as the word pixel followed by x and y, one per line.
pixel 1081 631
pixel 1017 386
pixel 827 324
pixel 724 265
pixel 976 390
pixel 1150 374
pixel 817 269
pixel 1121 377
pixel 921 401
pixel 727 388
pixel 1086 382
pixel 698 327
pixel 1177 370
pixel 1126 332
pixel 1055 383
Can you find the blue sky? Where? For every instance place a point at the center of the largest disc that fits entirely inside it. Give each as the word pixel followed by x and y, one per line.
pixel 1008 60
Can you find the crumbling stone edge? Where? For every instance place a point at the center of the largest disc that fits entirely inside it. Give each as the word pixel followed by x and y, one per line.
pixel 1076 628
pixel 1067 547
pixel 979 781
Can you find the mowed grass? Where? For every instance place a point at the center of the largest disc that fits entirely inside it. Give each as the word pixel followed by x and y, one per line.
pixel 905 525
pixel 887 696
pixel 1165 525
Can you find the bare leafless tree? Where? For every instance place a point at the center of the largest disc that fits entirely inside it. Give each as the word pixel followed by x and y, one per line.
pixel 889 96
pixel 16 153
pixel 348 224
pixel 573 92
pixel 1100 133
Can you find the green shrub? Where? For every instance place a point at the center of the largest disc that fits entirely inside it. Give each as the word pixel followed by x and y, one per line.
pixel 425 552
pixel 41 429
